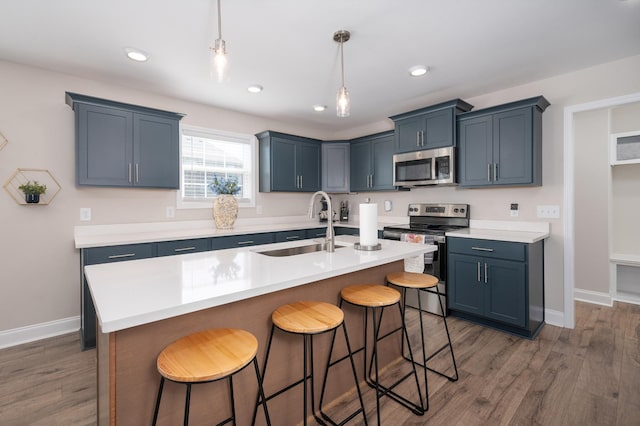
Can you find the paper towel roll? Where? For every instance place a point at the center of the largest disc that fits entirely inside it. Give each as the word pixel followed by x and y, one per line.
pixel 368 224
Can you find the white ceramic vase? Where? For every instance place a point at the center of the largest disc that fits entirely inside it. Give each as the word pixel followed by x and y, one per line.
pixel 225 211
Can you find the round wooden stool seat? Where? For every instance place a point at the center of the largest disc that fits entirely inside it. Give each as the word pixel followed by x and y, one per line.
pixel 207 355
pixel 370 295
pixel 307 317
pixel 412 280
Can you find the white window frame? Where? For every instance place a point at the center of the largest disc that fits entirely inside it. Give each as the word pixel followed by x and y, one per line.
pixel 224 135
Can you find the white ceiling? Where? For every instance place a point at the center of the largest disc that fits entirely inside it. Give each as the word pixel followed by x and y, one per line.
pixel 471 46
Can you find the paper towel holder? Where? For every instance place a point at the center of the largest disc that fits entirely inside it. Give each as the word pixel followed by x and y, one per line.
pixel 359 246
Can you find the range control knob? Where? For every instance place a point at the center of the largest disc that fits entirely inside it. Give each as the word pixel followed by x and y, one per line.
pixel 461 210
pixel 456 210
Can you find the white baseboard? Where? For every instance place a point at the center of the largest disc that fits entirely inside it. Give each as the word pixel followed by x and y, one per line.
pixel 553 317
pixel 18 336
pixel 595 297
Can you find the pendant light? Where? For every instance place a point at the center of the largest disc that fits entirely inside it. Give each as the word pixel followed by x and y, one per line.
pixel 343 107
pixel 219 53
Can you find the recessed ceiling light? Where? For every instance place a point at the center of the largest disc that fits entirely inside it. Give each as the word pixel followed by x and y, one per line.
pixel 418 70
pixel 255 88
pixel 319 108
pixel 136 54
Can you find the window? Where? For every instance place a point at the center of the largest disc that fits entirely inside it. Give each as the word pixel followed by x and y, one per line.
pixel 206 153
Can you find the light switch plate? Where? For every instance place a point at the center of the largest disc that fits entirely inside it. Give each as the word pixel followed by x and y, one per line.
pixel 171 211
pixel 85 214
pixel 549 212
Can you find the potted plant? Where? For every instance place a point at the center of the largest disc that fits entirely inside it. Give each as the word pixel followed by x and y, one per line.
pixel 32 191
pixel 225 207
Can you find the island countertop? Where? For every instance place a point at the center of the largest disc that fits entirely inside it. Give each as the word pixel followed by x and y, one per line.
pixel 131 293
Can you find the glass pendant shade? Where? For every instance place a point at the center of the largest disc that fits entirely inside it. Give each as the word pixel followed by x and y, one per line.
pixel 219 61
pixel 343 107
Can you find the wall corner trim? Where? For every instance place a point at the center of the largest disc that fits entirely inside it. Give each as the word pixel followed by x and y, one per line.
pixel 30 333
pixel 555 318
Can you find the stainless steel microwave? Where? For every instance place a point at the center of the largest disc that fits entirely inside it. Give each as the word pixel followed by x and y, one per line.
pixel 428 167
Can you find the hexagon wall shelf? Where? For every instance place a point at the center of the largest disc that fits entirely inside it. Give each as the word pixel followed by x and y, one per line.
pixel 43 177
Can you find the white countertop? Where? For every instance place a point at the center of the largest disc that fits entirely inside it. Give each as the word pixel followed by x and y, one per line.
pixel 519 232
pixel 119 234
pixel 136 292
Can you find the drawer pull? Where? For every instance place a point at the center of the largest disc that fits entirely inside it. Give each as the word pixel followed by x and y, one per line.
pixel 184 249
pixel 295 237
pixel 245 242
pixel 481 249
pixel 120 256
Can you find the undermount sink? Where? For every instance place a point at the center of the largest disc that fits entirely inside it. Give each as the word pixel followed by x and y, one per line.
pixel 292 251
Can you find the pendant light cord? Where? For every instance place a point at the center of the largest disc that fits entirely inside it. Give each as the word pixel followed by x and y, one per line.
pixel 342 58
pixel 219 22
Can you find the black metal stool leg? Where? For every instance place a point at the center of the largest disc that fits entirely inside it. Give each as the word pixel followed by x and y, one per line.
pixel 155 413
pixel 264 372
pixel 449 344
pixel 260 393
pixel 186 405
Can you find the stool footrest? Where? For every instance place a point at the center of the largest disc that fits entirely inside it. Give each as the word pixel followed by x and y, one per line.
pixel 388 391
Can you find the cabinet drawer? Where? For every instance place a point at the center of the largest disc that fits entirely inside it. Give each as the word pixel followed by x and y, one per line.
pixel 285 236
pixel 343 230
pixel 110 254
pixel 317 233
pixel 488 248
pixel 234 241
pixel 170 248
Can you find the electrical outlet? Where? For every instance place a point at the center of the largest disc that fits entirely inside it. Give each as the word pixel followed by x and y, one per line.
pixel 85 214
pixel 549 212
pixel 171 211
pixel 514 210
pixel 258 209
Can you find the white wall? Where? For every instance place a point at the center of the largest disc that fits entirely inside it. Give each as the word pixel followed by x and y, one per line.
pixel 39 273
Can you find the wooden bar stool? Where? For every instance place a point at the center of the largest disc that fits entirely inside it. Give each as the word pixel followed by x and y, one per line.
pixel 375 298
pixel 208 356
pixel 308 319
pixel 424 283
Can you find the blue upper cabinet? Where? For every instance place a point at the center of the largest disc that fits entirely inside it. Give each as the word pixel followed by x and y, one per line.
pixel 372 163
pixel 502 145
pixel 289 163
pixel 335 166
pixel 125 145
pixel 427 128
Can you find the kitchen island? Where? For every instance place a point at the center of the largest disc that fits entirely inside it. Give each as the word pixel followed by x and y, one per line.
pixel 143 305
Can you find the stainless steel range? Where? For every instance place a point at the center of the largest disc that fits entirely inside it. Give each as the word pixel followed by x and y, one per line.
pixel 431 222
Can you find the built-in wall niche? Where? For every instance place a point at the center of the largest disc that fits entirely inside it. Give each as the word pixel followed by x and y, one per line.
pixel 624 148
pixel 22 176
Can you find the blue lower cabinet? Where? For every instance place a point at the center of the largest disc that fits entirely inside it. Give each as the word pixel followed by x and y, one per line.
pixel 284 236
pixel 316 232
pixel 342 230
pixel 172 248
pixel 94 256
pixel 235 241
pixel 501 285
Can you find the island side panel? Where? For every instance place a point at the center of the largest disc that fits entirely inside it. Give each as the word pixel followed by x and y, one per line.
pixel 134 353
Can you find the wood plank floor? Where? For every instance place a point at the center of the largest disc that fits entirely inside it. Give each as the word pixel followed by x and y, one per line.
pixel 586 376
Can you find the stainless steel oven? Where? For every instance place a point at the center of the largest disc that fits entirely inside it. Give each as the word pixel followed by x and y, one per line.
pixel 431 221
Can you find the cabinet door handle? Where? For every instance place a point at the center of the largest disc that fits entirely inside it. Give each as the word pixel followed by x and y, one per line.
pixel 418 138
pixel 421 137
pixel 301 181
pixel 245 242
pixel 485 273
pixel 481 249
pixel 478 271
pixel 120 256
pixel 129 172
pixel 488 172
pixel 184 249
pixel 137 180
pixel 495 172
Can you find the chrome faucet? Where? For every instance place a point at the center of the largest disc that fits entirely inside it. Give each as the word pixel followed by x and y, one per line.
pixel 330 236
